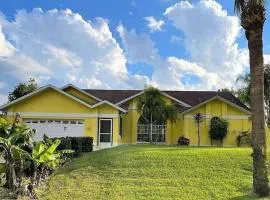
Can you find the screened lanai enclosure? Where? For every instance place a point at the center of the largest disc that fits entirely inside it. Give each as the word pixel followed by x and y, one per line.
pixel 147 133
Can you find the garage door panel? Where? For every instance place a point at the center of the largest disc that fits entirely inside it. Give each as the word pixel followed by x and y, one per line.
pixel 56 128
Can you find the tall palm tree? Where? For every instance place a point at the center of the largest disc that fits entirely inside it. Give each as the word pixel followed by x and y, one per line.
pixel 153 108
pixel 252 16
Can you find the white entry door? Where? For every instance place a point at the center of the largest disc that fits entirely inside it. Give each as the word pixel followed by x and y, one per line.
pixel 56 128
pixel 105 132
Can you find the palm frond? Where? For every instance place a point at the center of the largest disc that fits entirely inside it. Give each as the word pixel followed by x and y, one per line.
pixel 239 5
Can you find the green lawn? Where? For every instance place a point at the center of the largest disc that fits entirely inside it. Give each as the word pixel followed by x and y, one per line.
pixel 154 172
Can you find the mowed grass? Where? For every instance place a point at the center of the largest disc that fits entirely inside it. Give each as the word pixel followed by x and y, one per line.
pixel 155 172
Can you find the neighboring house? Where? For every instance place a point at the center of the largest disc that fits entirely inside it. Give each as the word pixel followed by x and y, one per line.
pixel 111 118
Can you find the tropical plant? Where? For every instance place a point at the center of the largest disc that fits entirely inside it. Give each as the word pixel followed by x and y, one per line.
pixel 252 17
pixel 244 93
pixel 22 89
pixel 15 139
pixel 218 129
pixel 198 119
pixel 153 108
pixel 44 157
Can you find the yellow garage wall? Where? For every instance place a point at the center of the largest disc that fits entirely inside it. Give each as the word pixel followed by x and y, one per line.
pixel 80 95
pixel 49 101
pixel 91 128
pixel 52 101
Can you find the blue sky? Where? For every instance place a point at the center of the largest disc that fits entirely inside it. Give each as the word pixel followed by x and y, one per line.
pixel 183 45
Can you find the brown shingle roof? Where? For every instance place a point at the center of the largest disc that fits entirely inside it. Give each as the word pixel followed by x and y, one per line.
pixel 113 96
pixel 192 98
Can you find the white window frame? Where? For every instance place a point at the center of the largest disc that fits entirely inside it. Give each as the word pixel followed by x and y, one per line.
pixel 105 143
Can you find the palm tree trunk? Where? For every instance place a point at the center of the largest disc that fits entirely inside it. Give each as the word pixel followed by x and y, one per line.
pixel 151 128
pixel 255 45
pixel 199 138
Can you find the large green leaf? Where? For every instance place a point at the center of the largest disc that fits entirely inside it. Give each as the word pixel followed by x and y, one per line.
pixel 38 150
pixel 46 154
pixel 53 146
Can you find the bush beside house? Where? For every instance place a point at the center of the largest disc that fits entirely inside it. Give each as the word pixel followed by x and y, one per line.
pixel 77 144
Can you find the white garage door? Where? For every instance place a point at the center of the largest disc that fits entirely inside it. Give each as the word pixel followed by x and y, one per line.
pixel 56 128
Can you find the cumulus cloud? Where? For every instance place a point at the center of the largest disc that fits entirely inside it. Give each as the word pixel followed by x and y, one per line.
pixel 210 38
pixel 59 47
pixel 154 24
pixel 168 72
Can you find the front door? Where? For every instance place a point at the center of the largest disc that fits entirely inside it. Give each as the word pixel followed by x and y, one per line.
pixel 105 132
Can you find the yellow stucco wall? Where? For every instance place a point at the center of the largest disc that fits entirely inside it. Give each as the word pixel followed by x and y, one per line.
pixel 238 121
pixel 184 125
pixel 51 101
pixel 80 95
pixel 48 101
pixel 55 103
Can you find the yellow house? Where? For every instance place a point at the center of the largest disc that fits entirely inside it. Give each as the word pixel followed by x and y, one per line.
pixel 111 117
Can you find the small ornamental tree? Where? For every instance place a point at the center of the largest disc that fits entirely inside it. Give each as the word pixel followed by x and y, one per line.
pixel 218 129
pixel 198 119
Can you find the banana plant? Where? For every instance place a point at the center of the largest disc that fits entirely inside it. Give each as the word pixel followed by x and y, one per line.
pixel 14 139
pixel 45 157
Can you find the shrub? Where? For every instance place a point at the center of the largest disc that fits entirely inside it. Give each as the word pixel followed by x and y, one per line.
pixel 183 141
pixel 243 139
pixel 218 129
pixel 77 144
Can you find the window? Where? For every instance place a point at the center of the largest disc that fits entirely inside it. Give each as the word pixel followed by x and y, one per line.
pixel 80 122
pixel 72 122
pixel 42 121
pixel 50 121
pixel 105 126
pixel 105 130
pixel 65 122
pixel 35 121
pixel 57 121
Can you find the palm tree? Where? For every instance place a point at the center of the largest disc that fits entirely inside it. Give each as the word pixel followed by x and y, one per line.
pixel 198 119
pixel 252 16
pixel 153 108
pixel 244 93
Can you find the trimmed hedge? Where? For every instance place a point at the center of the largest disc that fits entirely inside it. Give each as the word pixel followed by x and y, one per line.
pixel 77 144
pixel 243 139
pixel 183 141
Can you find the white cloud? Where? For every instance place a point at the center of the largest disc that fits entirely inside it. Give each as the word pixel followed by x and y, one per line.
pixel 267 59
pixel 210 38
pixel 139 48
pixel 168 72
pixel 154 24
pixel 59 47
pixel 3 99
